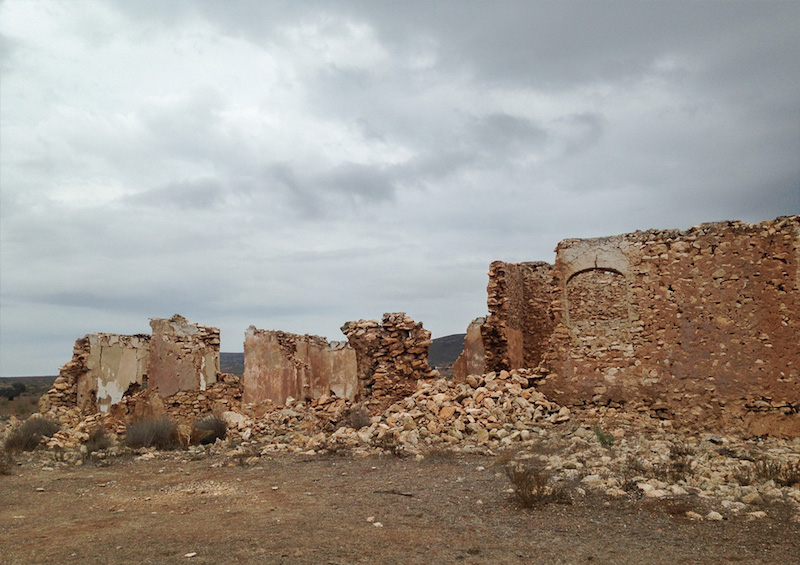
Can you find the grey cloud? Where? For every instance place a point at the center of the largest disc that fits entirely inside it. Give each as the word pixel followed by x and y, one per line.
pixel 201 194
pixel 508 135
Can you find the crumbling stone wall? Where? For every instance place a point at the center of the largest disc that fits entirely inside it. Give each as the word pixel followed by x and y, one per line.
pixel 279 365
pixel 392 355
pixel 115 364
pixel 64 391
pixel 183 355
pixel 516 332
pixel 103 368
pixel 184 406
pixel 703 324
pixel 698 326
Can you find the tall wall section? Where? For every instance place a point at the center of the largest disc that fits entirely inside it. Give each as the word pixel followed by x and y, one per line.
pixel 702 324
pixel 519 324
pixel 392 356
pixel 183 355
pixel 279 365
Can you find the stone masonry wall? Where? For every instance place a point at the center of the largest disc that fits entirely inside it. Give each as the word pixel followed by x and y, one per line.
pixel 115 364
pixel 279 365
pixel 183 355
pixel 103 368
pixel 519 324
pixel 702 325
pixel 392 356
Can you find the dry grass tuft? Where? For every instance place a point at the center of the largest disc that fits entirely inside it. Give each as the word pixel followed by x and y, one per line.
pixel 208 430
pixel 161 433
pixel 534 485
pixel 28 436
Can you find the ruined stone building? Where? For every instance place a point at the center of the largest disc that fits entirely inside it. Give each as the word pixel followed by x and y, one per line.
pixel 701 325
pixel 176 370
pixel 380 362
pixel 105 367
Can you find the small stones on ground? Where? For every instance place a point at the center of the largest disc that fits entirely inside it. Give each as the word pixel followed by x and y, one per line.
pixel 714 516
pixel 190 554
pixel 693 515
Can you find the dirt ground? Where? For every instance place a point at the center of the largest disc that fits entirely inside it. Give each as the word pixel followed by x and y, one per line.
pixel 343 509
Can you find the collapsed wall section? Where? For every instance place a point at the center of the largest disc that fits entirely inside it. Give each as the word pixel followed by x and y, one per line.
pixel 279 365
pixel 392 355
pixel 689 322
pixel 183 355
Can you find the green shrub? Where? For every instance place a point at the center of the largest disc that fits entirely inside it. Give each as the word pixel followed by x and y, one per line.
pixel 209 429
pixel 606 440
pixel 28 436
pixel 161 433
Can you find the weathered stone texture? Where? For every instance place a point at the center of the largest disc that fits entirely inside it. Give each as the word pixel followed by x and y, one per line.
pixel 519 325
pixel 183 355
pixel 392 355
pixel 279 365
pixel 184 406
pixel 64 392
pixel 690 322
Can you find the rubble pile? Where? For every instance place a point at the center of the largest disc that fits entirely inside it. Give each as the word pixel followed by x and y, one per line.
pixel 491 410
pixel 391 356
pixel 222 396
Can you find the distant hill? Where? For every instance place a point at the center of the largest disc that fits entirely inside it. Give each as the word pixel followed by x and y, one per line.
pixel 443 353
pixel 232 363
pixel 445 350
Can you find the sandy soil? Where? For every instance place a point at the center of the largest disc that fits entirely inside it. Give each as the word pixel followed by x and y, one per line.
pixel 326 509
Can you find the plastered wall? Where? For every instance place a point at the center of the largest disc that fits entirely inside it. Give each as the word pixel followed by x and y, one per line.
pixel 183 355
pixel 279 365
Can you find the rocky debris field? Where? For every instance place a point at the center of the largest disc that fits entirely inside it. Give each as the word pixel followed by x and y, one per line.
pixel 544 449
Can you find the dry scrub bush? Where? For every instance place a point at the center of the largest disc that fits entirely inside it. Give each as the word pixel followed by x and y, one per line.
pixel 605 439
pixel 534 485
pixel 28 436
pixel 98 440
pixel 5 463
pixel 764 469
pixel 161 433
pixel 355 417
pixel 207 430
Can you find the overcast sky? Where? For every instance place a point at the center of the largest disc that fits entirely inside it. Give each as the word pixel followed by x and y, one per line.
pixel 295 165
